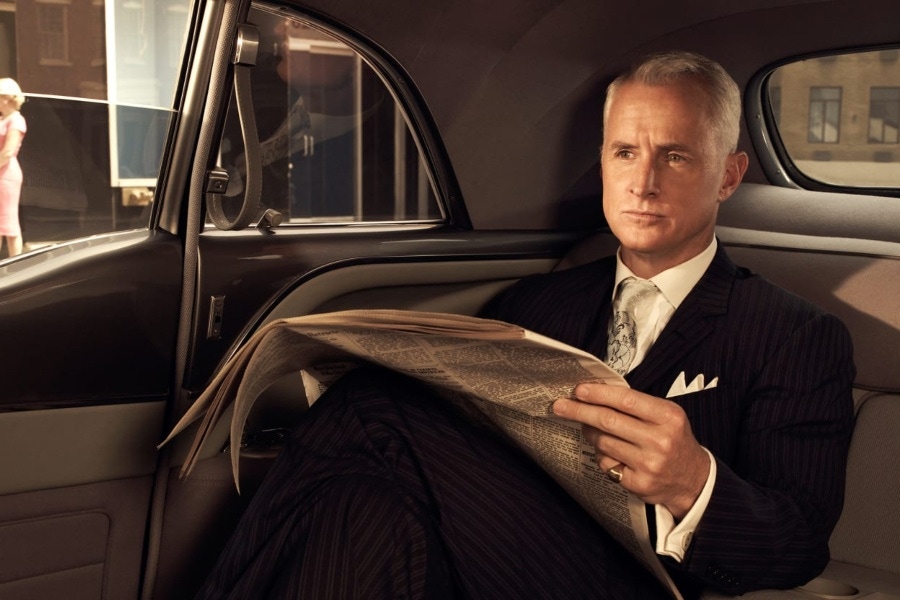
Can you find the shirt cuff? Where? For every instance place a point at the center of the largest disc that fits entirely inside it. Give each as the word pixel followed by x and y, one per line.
pixel 673 540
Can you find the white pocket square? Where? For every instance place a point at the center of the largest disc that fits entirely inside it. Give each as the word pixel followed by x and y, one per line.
pixel 680 386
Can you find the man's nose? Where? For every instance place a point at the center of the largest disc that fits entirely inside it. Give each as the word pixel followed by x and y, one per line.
pixel 644 179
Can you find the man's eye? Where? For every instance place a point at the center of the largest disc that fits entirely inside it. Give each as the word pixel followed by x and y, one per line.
pixel 674 158
pixel 625 154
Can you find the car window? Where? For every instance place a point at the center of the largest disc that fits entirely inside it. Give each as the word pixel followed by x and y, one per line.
pixel 838 117
pixel 334 142
pixel 98 80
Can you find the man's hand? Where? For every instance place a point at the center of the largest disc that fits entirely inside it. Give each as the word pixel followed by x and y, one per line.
pixel 663 462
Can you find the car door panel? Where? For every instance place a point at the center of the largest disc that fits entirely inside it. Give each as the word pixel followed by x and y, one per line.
pixel 90 331
pixel 64 310
pixel 254 273
pixel 451 283
pixel 50 449
pixel 75 542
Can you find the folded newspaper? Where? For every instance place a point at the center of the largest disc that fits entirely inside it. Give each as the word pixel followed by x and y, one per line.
pixel 508 373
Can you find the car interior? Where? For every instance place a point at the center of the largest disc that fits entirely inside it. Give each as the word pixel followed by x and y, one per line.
pixel 433 154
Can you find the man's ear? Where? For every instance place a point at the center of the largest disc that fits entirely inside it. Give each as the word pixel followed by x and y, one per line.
pixel 735 166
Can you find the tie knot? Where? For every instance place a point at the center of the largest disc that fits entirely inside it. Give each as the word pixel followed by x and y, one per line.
pixel 623 327
pixel 632 291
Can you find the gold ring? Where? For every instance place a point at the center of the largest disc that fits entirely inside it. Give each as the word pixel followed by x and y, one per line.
pixel 615 473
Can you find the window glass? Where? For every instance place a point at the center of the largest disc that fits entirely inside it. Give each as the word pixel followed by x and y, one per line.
pixel 837 117
pixel 335 144
pixel 884 115
pixel 98 78
pixel 824 114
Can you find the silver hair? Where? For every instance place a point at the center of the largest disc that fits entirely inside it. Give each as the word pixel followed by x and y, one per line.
pixel 722 93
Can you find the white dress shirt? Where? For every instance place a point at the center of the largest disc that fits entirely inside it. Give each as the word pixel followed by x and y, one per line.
pixel 672 539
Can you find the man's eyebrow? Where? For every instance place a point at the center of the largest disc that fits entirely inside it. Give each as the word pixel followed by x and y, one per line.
pixel 675 148
pixel 618 145
pixel 664 148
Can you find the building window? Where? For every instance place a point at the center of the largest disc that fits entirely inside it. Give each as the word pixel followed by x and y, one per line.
pixel 824 115
pixel 98 33
pixel 53 33
pixel 889 56
pixel 884 115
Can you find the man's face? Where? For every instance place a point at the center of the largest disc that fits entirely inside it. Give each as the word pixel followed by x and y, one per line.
pixel 663 175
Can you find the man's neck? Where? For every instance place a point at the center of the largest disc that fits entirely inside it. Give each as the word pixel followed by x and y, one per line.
pixel 675 282
pixel 647 265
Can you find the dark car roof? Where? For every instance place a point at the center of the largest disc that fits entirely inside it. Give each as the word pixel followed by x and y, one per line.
pixel 514 87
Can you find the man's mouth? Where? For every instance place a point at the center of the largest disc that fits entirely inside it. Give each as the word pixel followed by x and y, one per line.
pixel 644 215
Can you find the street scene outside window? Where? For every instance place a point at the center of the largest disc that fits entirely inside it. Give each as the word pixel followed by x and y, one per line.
pixel 98 78
pixel 99 81
pixel 839 116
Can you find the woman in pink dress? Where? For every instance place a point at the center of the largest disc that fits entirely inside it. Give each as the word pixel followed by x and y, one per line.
pixel 12 130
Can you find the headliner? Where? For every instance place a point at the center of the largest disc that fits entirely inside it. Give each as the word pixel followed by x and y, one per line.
pixel 515 86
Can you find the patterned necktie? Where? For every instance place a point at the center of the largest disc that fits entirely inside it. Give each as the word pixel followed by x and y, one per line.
pixel 622 335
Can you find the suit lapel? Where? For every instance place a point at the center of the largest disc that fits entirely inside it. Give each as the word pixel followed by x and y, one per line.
pixel 597 302
pixel 691 323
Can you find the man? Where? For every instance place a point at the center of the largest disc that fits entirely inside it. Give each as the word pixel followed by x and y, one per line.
pixel 385 491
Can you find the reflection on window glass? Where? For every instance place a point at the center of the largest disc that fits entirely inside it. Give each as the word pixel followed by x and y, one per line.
pixel 838 116
pixel 334 144
pixel 141 133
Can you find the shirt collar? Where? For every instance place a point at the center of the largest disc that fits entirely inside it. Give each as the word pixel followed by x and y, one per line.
pixel 675 283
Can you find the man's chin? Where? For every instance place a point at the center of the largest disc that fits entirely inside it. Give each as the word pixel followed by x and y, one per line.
pixel 644 241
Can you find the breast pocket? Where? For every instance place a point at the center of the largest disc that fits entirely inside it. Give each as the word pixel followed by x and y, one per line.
pixel 714 415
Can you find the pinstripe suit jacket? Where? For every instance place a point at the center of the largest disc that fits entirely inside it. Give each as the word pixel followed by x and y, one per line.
pixel 779 422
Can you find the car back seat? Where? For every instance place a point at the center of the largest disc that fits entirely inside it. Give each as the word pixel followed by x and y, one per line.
pixel 856 279
pixel 805 242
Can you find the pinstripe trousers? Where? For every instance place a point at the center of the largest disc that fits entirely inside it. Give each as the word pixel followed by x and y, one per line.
pixel 386 491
